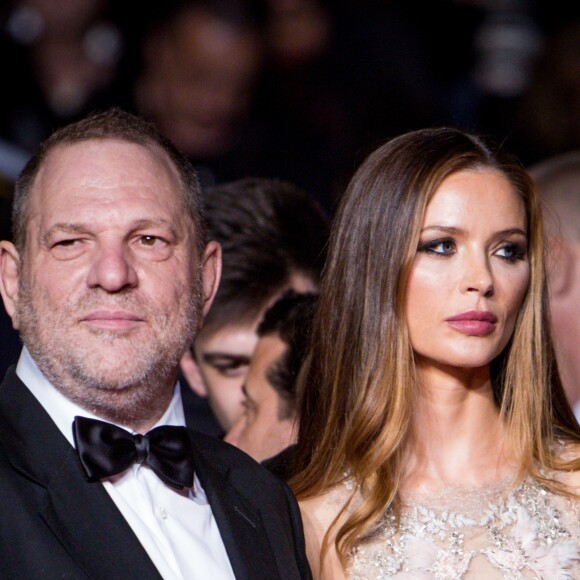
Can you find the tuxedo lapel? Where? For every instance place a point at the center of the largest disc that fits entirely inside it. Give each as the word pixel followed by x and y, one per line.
pixel 240 524
pixel 81 515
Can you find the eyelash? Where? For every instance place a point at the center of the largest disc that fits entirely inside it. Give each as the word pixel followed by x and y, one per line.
pixel 518 251
pixel 429 247
pixel 229 367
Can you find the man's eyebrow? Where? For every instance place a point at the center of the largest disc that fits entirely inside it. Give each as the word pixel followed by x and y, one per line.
pixel 153 223
pixel 65 228
pixel 212 357
pixel 80 228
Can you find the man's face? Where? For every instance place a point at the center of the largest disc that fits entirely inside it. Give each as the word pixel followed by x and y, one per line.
pixel 223 355
pixel 564 284
pixel 264 428
pixel 223 359
pixel 110 288
pixel 199 82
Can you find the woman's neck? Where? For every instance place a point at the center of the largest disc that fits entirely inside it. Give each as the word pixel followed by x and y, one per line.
pixel 457 435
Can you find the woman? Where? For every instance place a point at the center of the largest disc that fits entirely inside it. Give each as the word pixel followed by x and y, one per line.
pixel 435 438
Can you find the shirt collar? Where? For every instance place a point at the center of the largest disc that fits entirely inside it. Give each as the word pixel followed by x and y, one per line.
pixel 63 411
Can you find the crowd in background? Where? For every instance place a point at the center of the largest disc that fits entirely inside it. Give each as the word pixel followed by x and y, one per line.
pixel 300 90
pixel 296 90
pixel 400 399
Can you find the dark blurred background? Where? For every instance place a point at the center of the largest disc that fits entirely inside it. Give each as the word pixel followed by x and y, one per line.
pixel 300 90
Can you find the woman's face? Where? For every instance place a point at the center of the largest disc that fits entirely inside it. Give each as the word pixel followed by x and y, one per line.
pixel 470 273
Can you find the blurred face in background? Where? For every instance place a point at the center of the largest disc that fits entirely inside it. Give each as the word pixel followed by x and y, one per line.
pixel 223 358
pixel 220 359
pixel 266 424
pixel 198 81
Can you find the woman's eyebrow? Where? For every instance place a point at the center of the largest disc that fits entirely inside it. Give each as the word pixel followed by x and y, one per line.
pixel 456 231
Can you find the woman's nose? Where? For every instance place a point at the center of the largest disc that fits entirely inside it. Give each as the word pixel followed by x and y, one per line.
pixel 478 277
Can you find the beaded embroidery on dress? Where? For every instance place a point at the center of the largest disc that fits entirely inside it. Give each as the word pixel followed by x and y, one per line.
pixel 492 533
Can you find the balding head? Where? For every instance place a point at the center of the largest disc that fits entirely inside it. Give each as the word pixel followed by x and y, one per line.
pixel 558 181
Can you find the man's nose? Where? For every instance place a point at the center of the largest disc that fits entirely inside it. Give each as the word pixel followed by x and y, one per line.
pixel 478 276
pixel 112 268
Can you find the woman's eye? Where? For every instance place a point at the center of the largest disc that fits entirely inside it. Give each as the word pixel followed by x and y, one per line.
pixel 511 252
pixel 444 247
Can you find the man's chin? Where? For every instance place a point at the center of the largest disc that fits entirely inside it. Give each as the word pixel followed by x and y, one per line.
pixel 102 336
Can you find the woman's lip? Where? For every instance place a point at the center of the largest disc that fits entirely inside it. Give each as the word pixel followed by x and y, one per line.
pixel 474 322
pixel 473 327
pixel 475 316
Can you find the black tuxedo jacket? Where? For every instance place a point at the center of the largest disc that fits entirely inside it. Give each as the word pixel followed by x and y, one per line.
pixel 53 524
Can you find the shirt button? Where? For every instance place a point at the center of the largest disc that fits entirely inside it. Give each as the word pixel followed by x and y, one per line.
pixel 161 512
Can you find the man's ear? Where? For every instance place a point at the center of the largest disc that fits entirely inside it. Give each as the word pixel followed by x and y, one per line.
pixel 9 279
pixel 192 375
pixel 211 273
pixel 561 266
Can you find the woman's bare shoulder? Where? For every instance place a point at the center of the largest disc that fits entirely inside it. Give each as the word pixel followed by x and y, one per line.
pixel 570 452
pixel 318 514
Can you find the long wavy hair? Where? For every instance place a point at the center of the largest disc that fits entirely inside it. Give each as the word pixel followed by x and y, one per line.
pixel 356 393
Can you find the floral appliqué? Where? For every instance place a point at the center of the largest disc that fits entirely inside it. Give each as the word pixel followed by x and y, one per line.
pixel 528 534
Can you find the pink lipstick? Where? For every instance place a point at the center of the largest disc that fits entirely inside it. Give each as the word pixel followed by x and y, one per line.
pixel 474 322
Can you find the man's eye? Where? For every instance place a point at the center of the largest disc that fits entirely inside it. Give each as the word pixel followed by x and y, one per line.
pixel 149 240
pixel 66 243
pixel 229 365
pixel 231 369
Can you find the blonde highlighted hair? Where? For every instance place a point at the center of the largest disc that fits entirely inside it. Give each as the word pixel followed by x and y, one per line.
pixel 356 392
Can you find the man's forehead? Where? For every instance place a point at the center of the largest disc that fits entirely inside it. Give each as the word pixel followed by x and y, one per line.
pixel 106 149
pixel 103 167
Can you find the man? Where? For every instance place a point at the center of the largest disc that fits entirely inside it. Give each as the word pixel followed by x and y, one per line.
pixel 558 181
pixel 197 81
pixel 266 428
pixel 107 281
pixel 273 237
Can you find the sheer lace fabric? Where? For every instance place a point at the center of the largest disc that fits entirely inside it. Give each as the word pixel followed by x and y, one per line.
pixel 496 532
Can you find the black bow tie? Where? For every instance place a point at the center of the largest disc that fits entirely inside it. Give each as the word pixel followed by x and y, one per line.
pixel 105 449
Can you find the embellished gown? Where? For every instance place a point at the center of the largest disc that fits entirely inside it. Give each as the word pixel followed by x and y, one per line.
pixel 493 532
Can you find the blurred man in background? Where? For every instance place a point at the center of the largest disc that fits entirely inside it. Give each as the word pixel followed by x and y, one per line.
pixel 273 238
pixel 200 64
pixel 558 181
pixel 266 428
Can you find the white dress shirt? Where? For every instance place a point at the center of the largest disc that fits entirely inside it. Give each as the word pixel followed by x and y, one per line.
pixel 576 410
pixel 177 529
